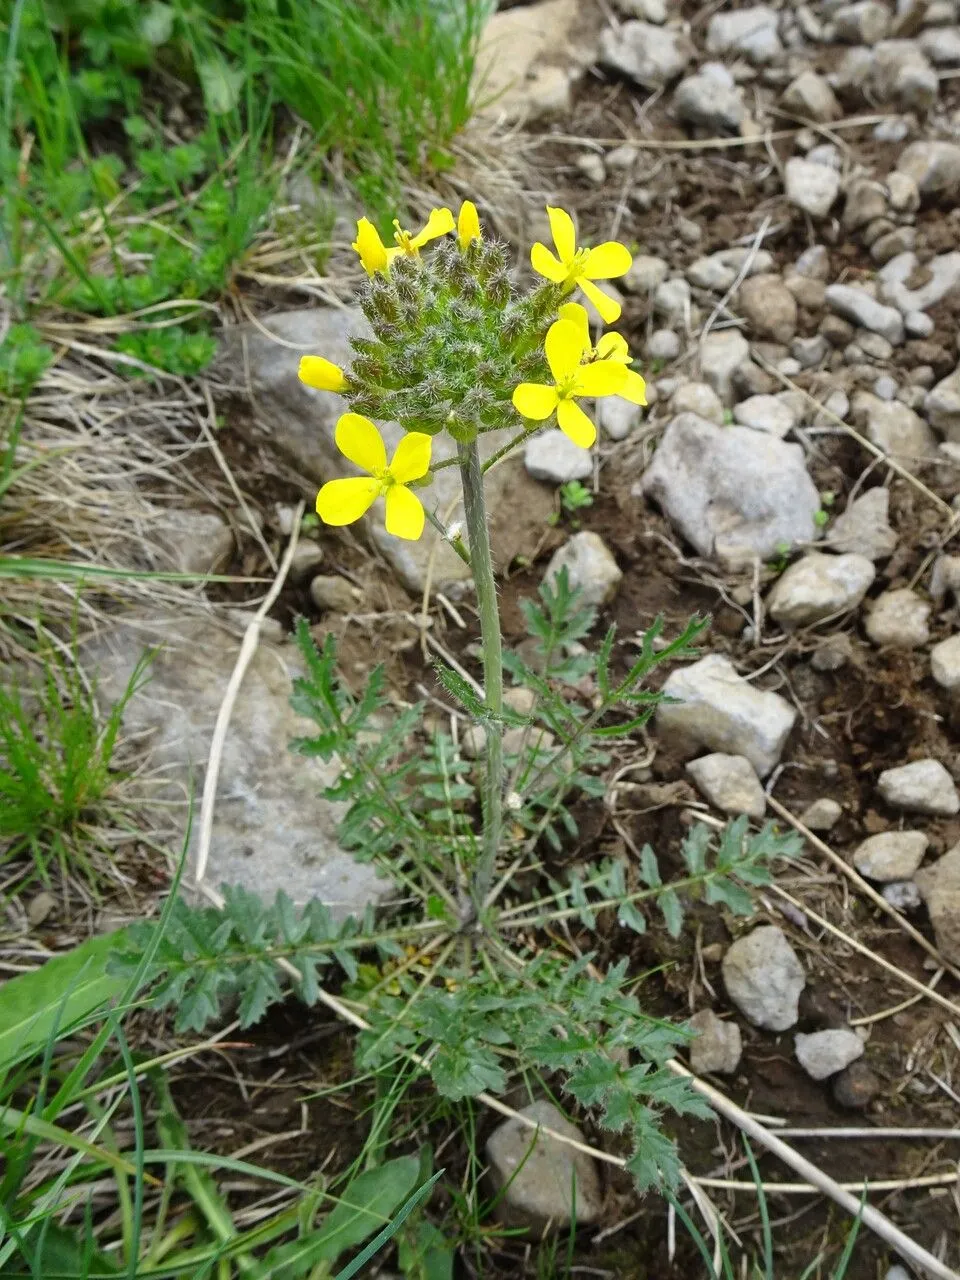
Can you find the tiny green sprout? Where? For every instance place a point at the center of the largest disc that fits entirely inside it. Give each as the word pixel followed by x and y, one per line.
pixel 309 521
pixel 820 518
pixel 728 417
pixel 573 497
pixel 827 498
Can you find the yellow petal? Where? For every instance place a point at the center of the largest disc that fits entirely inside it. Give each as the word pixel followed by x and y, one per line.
pixel 546 264
pixel 613 346
pixel 535 401
pixel 575 424
pixel 316 372
pixel 439 224
pixel 607 261
pixel 359 440
pixel 343 501
pixel 405 516
pixel 634 389
pixel 564 234
pixel 468 224
pixel 604 378
pixel 608 307
pixel 577 315
pixel 411 458
pixel 373 255
pixel 564 347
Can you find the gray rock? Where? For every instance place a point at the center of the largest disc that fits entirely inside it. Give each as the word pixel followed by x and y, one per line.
pixel 733 492
pixel 865 201
pixel 944 276
pixel 902 192
pixel 942 46
pixel 191 541
pixel 809 352
pixel 765 413
pixel 864 528
pixel 617 417
pixel 822 815
pixel 645 273
pixel 330 591
pixel 945 663
pixel 752 32
pixel 896 429
pixel 698 398
pixel 857 306
pixel 663 344
pixel 939 886
pixel 592 167
pixel 885 387
pixel 720 269
pixel 710 99
pixel 945 578
pixel 823 1053
pixel 651 56
pixel 933 165
pixel 814 263
pixel 718 1045
pixel 590 567
pixel 902 895
pixel 764 978
pixel 833 653
pixel 716 708
pixel 272 829
pixel 730 783
pixel 942 406
pixel 721 354
pixel 307 559
pixel 864 22
pixel 526 62
pixel 923 786
pixel 918 325
pixel 900 74
pixel 769 308
pixel 646 10
pixel 672 299
pixel 544 1182
pixel 811 187
pixel 811 98
pixel 899 618
pixel 856 1087
pixel 890 855
pixel 552 456
pixel 819 586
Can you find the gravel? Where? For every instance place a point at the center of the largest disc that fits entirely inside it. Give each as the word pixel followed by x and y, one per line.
pixel 764 978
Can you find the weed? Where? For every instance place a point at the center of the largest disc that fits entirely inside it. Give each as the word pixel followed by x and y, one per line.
pixel 573 497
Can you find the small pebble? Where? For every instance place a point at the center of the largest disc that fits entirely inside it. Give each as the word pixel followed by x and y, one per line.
pixel 885 387
pixel 664 344
pixel 856 1087
pixel 822 815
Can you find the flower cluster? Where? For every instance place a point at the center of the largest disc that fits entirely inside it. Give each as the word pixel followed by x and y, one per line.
pixel 453 346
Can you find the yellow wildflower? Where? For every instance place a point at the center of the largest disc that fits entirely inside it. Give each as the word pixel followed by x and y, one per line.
pixel 611 346
pixel 571 266
pixel 341 502
pixel 321 374
pixel 468 224
pixel 564 347
pixel 375 256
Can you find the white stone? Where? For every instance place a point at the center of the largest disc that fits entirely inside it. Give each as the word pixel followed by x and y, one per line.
pixel 902 895
pixel 646 272
pixel 525 64
pixel 646 10
pixel 819 586
pixel 733 492
pixel 651 56
pixel 591 569
pixel 857 306
pixel 707 101
pixel 923 786
pixel 811 187
pixel 900 74
pixel 933 165
pixel 544 1181
pixel 811 97
pixel 721 354
pixel 890 855
pixel 199 542
pixel 617 417
pixel 730 783
pixel 716 708
pixel 764 978
pixel 750 31
pixel 942 46
pixel 899 618
pixel 824 1053
pixel 939 886
pixel 720 269
pixel 552 456
pixel 945 663
pixel 672 299
pixel 896 429
pixel 944 276
pixel 809 352
pixel 768 307
pixel 864 22
pixel 717 1047
pixel 663 344
pixel 822 815
pixel 698 398
pixel 814 263
pixel 765 413
pixel 331 591
pixel 942 405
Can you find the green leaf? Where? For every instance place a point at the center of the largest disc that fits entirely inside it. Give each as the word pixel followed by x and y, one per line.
pixel 426 1254
pixel 672 909
pixel 156 25
pixel 458 688
pixel 60 1253
pixel 464 1070
pixel 66 990
pixel 221 85
pixel 649 868
pixel 631 918
pixel 389 1230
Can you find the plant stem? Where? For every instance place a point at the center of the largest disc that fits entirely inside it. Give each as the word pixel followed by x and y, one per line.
pixel 471 475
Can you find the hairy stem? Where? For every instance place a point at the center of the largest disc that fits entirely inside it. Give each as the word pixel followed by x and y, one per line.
pixel 471 475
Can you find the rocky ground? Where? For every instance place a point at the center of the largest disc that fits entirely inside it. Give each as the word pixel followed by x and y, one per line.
pixel 788 176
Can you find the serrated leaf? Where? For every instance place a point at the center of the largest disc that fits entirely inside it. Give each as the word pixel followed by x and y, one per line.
pixel 631 918
pixel 459 689
pixel 649 868
pixel 463 1071
pixel 672 911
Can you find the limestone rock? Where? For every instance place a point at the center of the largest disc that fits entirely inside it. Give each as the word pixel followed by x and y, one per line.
pixel 717 1047
pixel 811 97
pixel 552 456
pixel 710 100
pixel 764 978
pixel 716 708
pixel 769 307
pixel 896 429
pixel 721 354
pixel 943 276
pixel 939 885
pixel 197 542
pixel 900 74
pixel 811 187
pixel 833 653
pixel 942 406
pixel 733 492
pixel 864 22
pixel 730 783
pixel 857 306
pixel 864 528
pixel 824 1053
pixel 544 1182
pixel 822 814
pixel 720 269
pixel 698 398
pixel 933 165
pixel 752 32
pixel 899 618
pixel 616 418
pixel 923 786
pixel 651 56
pixel 890 855
pixel 331 591
pixel 765 413
pixel 591 568
pixel 945 663
pixel 819 586
pixel 645 274
pixel 525 65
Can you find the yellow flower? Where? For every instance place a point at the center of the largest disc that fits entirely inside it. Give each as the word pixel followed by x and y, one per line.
pixel 468 224
pixel 343 501
pixel 316 372
pixel 573 266
pixel 611 346
pixel 375 256
pixel 564 347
